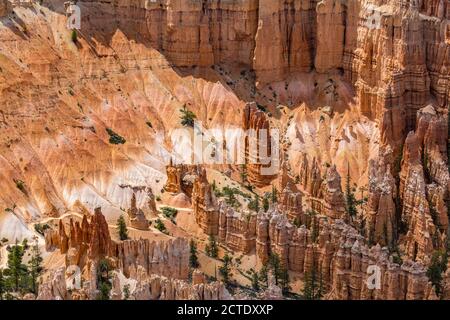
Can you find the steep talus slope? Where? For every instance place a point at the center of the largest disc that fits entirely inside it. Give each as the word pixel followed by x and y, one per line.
pixel 58 98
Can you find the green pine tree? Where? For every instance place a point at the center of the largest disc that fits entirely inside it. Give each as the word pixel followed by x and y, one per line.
pixel 2 284
pixel 35 266
pixel 122 227
pixel 193 259
pixel 350 200
pixel 16 271
pixel 313 288
pixel 255 281
pixel 266 203
pixel 284 280
pixel 437 267
pixel 187 117
pixel 212 249
pixel 275 265
pixel 225 269
pixel 254 204
pixel 74 36
pixel 274 194
pixel 264 274
pixel 126 292
pixel 103 280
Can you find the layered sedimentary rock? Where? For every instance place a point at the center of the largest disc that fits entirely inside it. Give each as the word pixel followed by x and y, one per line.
pixel 291 203
pixel 424 182
pixel 381 226
pixel 311 177
pixel 262 165
pixel 142 286
pixel 432 132
pixel 392 71
pixel 273 235
pixel 237 230
pixel 416 210
pixel 323 194
pixel 334 203
pixel 339 254
pixel 91 241
pixel 330 35
pixel 166 258
pixel 54 288
pixel 204 204
pixel 4 8
pixel 284 39
pixel 174 178
pixel 156 287
pixel 136 216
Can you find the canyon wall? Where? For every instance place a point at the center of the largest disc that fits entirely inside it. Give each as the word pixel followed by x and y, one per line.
pixel 377 45
pixel 90 241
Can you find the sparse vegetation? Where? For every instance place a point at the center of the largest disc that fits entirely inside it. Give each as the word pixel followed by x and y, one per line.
pixel 35 266
pixel 103 280
pixel 313 289
pixel 254 204
pixel 169 213
pixel 350 200
pixel 20 185
pixel 193 258
pixel 212 249
pixel 41 227
pixel 114 138
pixel 122 228
pixel 255 281
pixel 159 225
pixel 126 292
pixel 225 269
pixel 187 117
pixel 266 203
pixel 19 278
pixel 436 269
pixel 280 273
pixel 274 195
pixel 74 36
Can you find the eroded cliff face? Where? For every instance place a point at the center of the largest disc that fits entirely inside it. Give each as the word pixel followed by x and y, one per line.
pixel 359 91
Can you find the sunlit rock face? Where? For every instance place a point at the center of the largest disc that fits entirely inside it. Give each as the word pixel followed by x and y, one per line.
pixel 90 121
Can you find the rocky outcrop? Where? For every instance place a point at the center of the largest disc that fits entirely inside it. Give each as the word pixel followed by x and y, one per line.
pixel 237 230
pixel 330 35
pixel 167 258
pixel 424 183
pixel 291 203
pixel 393 71
pixel 204 204
pixel 310 177
pixel 142 286
pixel 258 160
pixel 284 39
pixel 4 8
pixel 416 210
pixel 334 203
pixel 381 219
pixel 91 242
pixel 136 217
pixel 174 178
pixel 156 287
pixel 273 235
pixel 54 287
pixel 339 254
pixel 432 131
